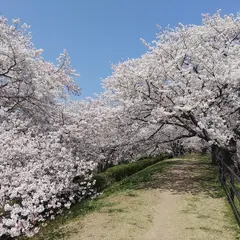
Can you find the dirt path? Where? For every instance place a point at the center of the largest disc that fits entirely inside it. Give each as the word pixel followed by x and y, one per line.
pixel 180 203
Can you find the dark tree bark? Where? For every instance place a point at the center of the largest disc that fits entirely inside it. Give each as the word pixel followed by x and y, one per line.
pixel 177 148
pixel 232 156
pixel 228 155
pixel 215 154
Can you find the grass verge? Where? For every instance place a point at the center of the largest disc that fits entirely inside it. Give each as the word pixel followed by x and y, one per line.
pixel 117 173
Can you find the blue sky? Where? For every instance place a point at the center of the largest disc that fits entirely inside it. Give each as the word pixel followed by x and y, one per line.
pixel 97 33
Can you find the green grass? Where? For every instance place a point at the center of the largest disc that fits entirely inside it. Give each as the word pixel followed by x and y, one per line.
pixel 236 203
pixel 114 210
pixel 117 173
pixel 210 184
pixel 53 232
pixel 134 182
pixel 237 188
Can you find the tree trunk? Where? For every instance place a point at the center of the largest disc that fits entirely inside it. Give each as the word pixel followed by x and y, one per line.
pixel 215 154
pixel 232 156
pixel 237 156
pixel 229 155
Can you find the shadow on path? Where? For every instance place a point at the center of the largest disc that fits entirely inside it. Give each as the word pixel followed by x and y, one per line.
pixel 191 175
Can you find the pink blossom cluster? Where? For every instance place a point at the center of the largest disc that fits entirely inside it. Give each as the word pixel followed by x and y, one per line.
pixel 39 176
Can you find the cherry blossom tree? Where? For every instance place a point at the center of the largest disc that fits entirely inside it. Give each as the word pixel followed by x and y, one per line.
pixel 27 82
pixel 188 79
pixel 39 171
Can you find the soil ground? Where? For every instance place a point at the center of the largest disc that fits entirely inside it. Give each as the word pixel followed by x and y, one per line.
pixel 183 201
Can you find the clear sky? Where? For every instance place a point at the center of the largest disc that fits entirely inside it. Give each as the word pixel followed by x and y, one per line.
pixel 97 33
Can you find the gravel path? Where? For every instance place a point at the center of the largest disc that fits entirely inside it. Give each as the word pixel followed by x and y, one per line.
pixel 178 204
